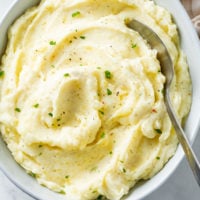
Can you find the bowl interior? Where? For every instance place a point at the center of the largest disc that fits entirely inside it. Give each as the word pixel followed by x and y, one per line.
pixel 191 47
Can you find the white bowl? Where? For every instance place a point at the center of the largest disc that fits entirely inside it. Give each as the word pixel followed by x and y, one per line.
pixel 190 45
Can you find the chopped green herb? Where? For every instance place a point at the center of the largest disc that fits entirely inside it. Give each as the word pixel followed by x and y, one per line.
pixel 50 114
pixel 108 74
pixel 58 119
pixel 66 75
pixel 100 197
pixel 124 170
pixel 52 42
pixel 32 174
pixel 100 111
pixel 158 131
pixel 67 177
pixel 93 169
pixel 109 92
pixel 40 154
pixel 40 145
pixel 110 152
pixel 98 67
pixel 82 37
pixel 75 14
pixel 158 158
pixel 53 66
pixel 36 105
pixel 133 45
pixel 62 192
pixel 102 135
pixel 2 73
pixel 17 109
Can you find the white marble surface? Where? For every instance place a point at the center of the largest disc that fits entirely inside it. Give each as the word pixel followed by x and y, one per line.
pixel 180 186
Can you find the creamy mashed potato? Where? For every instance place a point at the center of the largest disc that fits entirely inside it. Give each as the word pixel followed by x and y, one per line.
pixel 81 96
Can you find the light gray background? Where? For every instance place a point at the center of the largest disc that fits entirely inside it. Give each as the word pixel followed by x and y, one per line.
pixel 180 186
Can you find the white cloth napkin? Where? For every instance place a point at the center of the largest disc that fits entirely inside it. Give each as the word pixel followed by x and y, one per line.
pixel 193 9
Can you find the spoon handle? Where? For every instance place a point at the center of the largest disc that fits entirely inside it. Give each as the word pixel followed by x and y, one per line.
pixel 190 155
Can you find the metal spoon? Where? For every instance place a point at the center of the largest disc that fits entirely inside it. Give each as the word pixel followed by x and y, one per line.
pixel 168 71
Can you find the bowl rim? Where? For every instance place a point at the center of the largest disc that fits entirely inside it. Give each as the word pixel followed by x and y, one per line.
pixel 173 162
